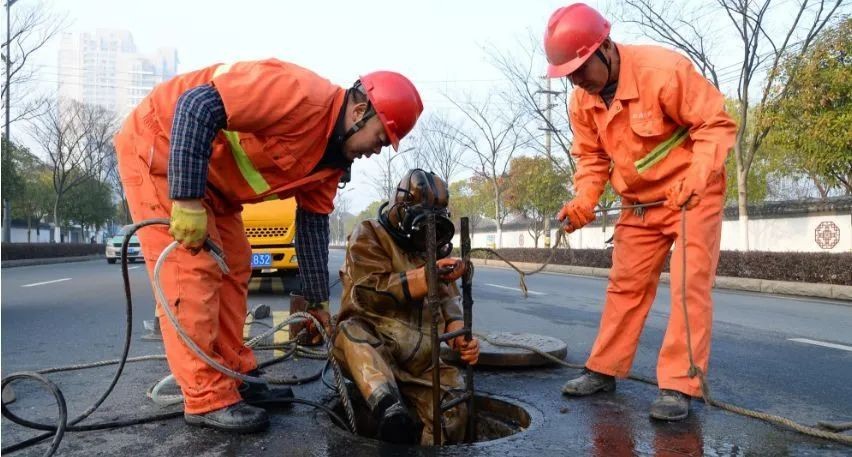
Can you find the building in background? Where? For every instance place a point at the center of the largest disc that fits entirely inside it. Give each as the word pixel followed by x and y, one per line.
pixel 106 68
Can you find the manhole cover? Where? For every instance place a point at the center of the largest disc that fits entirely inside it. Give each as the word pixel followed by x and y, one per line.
pixel 493 355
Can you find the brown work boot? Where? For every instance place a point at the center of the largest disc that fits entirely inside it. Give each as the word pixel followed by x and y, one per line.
pixel 239 418
pixel 588 383
pixel 670 405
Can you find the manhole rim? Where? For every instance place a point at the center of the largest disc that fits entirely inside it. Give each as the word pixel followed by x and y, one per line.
pixel 536 419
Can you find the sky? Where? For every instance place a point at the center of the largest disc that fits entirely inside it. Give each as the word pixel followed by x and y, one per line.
pixel 437 44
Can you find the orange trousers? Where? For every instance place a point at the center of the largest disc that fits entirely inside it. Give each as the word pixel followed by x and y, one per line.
pixel 209 305
pixel 641 246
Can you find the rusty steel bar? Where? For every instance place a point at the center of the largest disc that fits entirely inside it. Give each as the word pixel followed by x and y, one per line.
pixel 467 313
pixel 435 310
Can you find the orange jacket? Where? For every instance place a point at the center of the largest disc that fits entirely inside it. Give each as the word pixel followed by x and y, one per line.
pixel 666 122
pixel 280 117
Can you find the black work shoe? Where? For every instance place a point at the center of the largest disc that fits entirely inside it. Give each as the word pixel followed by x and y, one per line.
pixel 239 418
pixel 588 383
pixel 670 405
pixel 397 426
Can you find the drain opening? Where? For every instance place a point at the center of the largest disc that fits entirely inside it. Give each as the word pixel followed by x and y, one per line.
pixel 495 418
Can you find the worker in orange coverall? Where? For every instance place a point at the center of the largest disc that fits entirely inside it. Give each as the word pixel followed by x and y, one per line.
pixel 205 142
pixel 647 122
pixel 383 338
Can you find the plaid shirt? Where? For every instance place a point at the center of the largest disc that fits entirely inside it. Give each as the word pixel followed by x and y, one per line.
pixel 199 115
pixel 312 251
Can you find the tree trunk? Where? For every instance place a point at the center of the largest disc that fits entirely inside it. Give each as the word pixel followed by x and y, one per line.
pixel 497 220
pixel 742 204
pixel 547 232
pixel 7 220
pixel 29 228
pixel 56 235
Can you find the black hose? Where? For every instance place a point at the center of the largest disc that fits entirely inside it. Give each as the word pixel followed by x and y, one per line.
pixel 60 403
pixel 51 429
pixel 63 424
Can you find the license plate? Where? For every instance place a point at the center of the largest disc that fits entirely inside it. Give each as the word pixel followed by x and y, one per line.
pixel 260 260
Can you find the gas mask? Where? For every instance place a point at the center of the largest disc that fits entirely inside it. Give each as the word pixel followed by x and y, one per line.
pixel 419 194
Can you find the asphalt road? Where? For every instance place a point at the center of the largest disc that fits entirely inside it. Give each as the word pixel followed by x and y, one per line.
pixel 788 356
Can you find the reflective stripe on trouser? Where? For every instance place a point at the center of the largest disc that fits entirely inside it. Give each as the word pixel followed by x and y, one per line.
pixel 641 246
pixel 366 360
pixel 210 305
pixel 662 150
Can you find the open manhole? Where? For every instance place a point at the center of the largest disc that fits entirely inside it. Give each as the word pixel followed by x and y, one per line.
pixel 496 417
pixel 497 355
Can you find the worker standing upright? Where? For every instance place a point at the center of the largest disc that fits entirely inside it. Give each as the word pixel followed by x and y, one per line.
pixel 205 142
pixel 647 122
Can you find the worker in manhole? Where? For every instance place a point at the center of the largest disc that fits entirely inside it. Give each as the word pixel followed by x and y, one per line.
pixel 382 340
pixel 646 121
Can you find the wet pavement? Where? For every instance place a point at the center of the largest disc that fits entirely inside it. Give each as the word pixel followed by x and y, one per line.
pixel 753 366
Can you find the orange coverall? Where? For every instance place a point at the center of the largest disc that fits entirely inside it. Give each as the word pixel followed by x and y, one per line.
pixel 280 117
pixel 666 123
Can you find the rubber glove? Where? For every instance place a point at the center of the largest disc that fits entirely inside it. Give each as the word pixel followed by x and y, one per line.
pixel 320 312
pixel 188 224
pixel 450 268
pixel 469 350
pixel 578 211
pixel 685 191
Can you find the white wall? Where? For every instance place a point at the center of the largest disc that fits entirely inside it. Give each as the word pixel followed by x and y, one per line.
pixel 19 235
pixel 777 234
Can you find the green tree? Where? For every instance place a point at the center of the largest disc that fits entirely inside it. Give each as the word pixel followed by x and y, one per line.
pixel 11 181
pixel 813 115
pixel 470 198
pixel 369 212
pixel 89 204
pixel 35 199
pixel 761 169
pixel 537 189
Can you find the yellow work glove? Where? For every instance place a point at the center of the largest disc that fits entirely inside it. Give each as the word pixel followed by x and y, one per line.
pixel 188 226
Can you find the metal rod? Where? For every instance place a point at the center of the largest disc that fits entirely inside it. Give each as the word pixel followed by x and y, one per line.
pixel 434 309
pixel 467 310
pixel 455 401
pixel 450 335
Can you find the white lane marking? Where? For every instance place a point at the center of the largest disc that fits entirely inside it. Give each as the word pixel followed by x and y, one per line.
pixel 821 343
pixel 46 282
pixel 133 268
pixel 531 292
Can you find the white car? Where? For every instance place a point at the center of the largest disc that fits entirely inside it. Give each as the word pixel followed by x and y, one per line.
pixel 113 247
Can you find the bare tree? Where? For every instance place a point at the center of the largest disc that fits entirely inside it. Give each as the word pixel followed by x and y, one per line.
pixel 76 140
pixel 32 27
pixel 389 172
pixel 536 96
pixel 493 132
pixel 762 46
pixel 437 149
pixel 339 217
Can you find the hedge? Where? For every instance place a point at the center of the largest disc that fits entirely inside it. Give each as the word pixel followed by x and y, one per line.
pixel 815 267
pixel 16 251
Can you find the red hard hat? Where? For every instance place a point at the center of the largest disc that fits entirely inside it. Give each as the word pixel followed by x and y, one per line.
pixel 396 102
pixel 574 32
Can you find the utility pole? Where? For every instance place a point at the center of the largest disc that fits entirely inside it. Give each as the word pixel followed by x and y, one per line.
pixel 548 131
pixel 7 163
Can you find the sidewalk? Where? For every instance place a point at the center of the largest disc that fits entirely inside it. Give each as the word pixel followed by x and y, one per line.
pixel 806 289
pixel 48 260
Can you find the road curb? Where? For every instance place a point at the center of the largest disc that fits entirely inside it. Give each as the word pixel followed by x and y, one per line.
pixel 805 289
pixel 47 261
